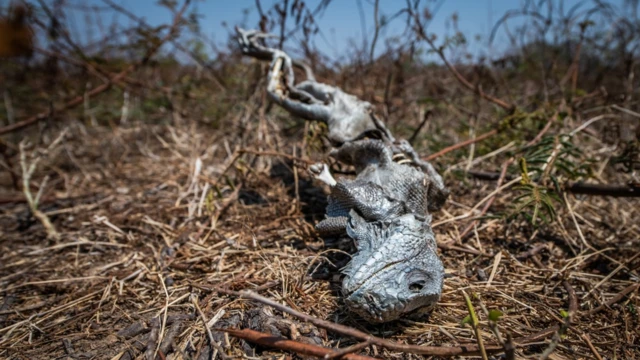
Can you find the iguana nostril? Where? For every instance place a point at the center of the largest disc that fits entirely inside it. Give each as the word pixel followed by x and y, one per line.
pixel 416 287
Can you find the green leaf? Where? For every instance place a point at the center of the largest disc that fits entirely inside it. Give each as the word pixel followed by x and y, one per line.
pixel 494 315
pixel 466 320
pixel 564 314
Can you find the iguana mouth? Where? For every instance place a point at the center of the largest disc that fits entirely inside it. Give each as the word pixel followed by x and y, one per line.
pixel 374 309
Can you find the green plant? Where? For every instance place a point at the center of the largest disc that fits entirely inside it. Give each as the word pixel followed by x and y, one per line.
pixel 543 167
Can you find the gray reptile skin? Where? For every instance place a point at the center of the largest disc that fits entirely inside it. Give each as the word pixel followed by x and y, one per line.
pixel 385 209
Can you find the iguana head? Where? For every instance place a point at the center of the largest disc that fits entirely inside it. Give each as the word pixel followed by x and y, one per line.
pixel 396 269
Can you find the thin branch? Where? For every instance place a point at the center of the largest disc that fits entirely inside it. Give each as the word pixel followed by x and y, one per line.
pixel 343 353
pixel 425 119
pixel 420 31
pixel 444 351
pixel 614 190
pixel 626 291
pixel 212 341
pixel 631 190
pixel 503 174
pixel 595 353
pixel 28 167
pixel 562 330
pixel 544 130
pixel 9 107
pixel 376 32
pixel 214 76
pixel 626 111
pixel 281 343
pixel 461 145
pixel 276 154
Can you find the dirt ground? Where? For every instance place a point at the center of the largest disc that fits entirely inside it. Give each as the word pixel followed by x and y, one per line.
pixel 152 217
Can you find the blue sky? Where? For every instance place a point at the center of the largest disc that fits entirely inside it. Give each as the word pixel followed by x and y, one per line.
pixel 339 24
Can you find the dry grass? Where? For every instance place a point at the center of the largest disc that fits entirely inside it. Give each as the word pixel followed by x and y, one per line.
pixel 148 214
pixel 115 244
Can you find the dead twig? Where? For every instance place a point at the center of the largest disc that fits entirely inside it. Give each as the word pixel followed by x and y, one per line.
pixel 288 345
pixel 444 351
pixel 461 145
pixel 631 190
pixel 343 353
pixel 626 111
pixel 531 252
pixel 562 330
pixel 277 154
pixel 50 199
pixel 614 190
pixel 595 352
pixel 421 32
pixel 154 338
pixel 544 130
pixel 28 167
pixel 448 246
pixel 212 341
pixel 626 291
pixel 425 118
pixel 503 174
pixel 178 45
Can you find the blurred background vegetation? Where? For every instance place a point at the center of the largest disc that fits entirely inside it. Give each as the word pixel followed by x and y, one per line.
pixel 557 65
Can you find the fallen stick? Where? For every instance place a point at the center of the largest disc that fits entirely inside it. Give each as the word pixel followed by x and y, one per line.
pixel 443 351
pixel 44 199
pixel 288 345
pixel 631 190
pixel 503 174
pixel 615 190
pixel 339 354
pixel 566 324
pixel 626 291
pixel 461 145
pixel 217 348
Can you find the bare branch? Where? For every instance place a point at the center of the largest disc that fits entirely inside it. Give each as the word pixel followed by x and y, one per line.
pixel 289 345
pixel 615 190
pixel 376 31
pixel 420 31
pixel 445 351
pixel 29 164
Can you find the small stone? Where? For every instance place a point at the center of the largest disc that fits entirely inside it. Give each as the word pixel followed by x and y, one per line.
pixel 482 275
